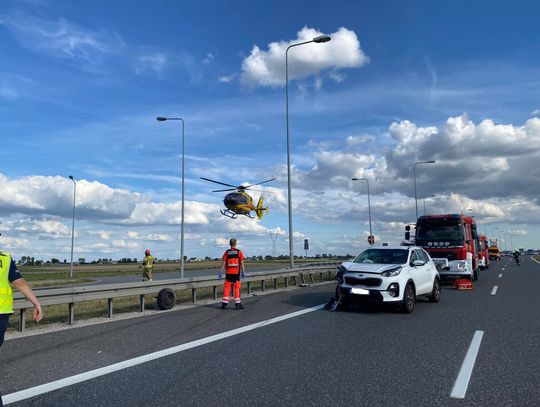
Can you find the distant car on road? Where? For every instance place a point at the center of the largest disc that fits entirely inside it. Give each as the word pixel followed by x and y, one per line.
pixel 393 275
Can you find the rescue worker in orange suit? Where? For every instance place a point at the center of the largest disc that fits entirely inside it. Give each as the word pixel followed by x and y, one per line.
pixel 233 264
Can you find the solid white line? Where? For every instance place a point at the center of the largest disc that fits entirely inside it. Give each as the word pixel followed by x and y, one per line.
pixel 92 374
pixel 500 275
pixel 464 376
pixel 494 291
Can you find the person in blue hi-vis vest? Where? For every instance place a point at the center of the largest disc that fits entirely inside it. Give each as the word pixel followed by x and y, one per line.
pixel 9 275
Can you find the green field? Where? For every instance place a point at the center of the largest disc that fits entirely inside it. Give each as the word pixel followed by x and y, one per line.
pixel 58 274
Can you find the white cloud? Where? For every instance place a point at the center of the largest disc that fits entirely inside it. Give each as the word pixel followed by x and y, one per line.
pixel 101 234
pixel 266 68
pixel 155 61
pixel 227 78
pixel 209 57
pixel 536 112
pixel 61 38
pixel 122 244
pixel 132 235
pixel 157 237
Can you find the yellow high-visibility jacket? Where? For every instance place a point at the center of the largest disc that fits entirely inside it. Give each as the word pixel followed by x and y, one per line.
pixel 6 294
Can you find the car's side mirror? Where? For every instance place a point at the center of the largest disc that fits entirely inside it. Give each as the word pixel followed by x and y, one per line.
pixel 417 263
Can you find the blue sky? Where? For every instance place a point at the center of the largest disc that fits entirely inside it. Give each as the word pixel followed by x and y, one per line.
pixel 82 82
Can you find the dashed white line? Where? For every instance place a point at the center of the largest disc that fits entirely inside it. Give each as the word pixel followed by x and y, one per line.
pixel 500 275
pixel 494 291
pixel 465 373
pixel 92 374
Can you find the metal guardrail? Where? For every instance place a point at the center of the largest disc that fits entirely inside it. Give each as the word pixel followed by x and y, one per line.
pixel 72 295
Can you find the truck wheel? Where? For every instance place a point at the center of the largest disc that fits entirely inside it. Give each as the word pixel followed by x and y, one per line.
pixel 166 299
pixel 409 299
pixel 475 275
pixel 435 295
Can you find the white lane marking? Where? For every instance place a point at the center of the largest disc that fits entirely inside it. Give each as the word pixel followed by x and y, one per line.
pixel 503 269
pixel 494 291
pixel 464 376
pixel 92 374
pixel 500 275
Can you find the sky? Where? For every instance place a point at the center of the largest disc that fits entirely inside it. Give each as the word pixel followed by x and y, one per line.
pixel 81 84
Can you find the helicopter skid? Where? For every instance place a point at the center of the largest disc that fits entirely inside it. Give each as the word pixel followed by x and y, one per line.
pixel 233 215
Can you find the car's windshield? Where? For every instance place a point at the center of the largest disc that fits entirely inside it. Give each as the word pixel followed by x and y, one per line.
pixel 383 256
pixel 439 232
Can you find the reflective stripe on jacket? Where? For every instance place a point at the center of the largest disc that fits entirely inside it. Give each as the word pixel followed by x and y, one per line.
pixel 6 294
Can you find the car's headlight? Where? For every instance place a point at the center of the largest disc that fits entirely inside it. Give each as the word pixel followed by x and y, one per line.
pixel 461 265
pixel 392 272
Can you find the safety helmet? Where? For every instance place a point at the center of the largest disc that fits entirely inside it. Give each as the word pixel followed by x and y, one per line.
pixel 147 252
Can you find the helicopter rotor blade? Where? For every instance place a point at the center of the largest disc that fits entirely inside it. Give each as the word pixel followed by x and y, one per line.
pixel 217 182
pixel 259 183
pixel 224 190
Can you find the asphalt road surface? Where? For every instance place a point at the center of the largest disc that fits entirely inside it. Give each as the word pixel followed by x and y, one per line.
pixel 285 350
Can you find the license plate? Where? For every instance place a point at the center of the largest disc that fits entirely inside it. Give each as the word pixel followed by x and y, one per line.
pixel 361 291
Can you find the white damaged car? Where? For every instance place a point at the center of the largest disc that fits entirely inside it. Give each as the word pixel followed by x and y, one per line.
pixel 388 275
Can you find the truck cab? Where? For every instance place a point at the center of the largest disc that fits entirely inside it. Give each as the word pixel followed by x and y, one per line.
pixel 453 243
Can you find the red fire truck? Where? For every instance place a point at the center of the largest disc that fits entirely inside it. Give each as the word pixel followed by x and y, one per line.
pixel 483 255
pixel 452 242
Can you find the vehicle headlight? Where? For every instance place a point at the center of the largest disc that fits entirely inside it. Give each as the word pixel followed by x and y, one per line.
pixel 461 265
pixel 392 272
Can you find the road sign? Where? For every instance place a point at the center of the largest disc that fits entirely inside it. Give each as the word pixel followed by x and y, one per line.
pixel 306 244
pixel 371 239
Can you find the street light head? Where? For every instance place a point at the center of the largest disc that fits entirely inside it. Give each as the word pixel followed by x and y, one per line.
pixel 161 119
pixel 70 177
pixel 322 38
pixel 430 162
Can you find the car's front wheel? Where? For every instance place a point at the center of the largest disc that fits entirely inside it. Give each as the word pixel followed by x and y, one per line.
pixel 409 299
pixel 435 295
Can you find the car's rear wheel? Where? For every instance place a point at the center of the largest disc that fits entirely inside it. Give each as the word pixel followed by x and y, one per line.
pixel 409 299
pixel 435 295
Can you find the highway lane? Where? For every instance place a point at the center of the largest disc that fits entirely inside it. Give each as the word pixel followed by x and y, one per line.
pixel 364 357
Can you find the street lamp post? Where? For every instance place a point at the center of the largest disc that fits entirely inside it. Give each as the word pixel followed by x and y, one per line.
pixel 319 39
pixel 414 173
pixel 369 207
pixel 72 226
pixel 427 196
pixel 162 119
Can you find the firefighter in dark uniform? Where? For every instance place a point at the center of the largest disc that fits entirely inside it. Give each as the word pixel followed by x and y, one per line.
pixel 233 265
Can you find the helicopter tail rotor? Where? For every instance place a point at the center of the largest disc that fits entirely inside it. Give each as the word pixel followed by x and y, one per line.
pixel 260 209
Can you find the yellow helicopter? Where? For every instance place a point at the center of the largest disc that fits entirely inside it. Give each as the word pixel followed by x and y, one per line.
pixel 240 202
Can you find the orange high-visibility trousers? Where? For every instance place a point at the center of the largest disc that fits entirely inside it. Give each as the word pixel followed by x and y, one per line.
pixel 227 291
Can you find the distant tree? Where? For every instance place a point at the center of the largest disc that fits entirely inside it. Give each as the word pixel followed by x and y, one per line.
pixel 55 261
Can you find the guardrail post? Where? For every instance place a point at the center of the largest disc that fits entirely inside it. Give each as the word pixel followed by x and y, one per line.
pixel 322 277
pixel 275 283
pixel 286 282
pixel 109 307
pixel 71 313
pixel 294 280
pixel 249 287
pixel 22 319
pixel 329 275
pixel 193 295
pixel 262 285
pixel 141 303
pixel 311 278
pixel 214 291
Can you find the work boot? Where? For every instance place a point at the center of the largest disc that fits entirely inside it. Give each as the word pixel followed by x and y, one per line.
pixel 224 305
pixel 240 306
